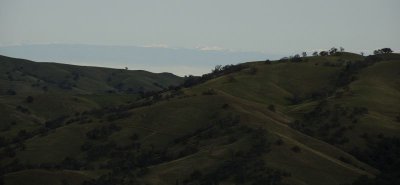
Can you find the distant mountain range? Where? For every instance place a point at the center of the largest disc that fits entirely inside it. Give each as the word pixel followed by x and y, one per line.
pixel 179 61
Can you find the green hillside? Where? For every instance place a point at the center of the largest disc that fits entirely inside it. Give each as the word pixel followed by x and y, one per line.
pixel 32 93
pixel 33 77
pixel 331 120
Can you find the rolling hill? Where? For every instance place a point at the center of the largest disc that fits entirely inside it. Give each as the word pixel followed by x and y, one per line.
pixel 35 92
pixel 330 120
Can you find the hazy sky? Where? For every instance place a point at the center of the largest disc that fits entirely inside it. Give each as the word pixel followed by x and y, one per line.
pixel 272 26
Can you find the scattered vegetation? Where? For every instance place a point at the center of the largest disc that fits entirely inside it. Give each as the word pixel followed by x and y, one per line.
pixel 383 153
pixel 216 72
pixel 228 139
pixel 328 122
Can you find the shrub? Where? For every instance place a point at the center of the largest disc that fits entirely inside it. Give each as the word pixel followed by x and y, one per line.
pixel 271 108
pixel 279 142
pixel 11 92
pixel 195 175
pixel 333 51
pixel 209 92
pixel 134 137
pixel 23 109
pixel 29 99
pixel 102 132
pixel 296 58
pixel 345 160
pixel 296 149
pixel 55 123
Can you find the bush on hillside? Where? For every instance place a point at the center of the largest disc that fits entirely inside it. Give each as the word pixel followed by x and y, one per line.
pixel 11 92
pixel 296 149
pixel 55 123
pixel 23 109
pixel 29 99
pixel 271 108
pixel 296 58
pixel 66 85
pixel 279 142
pixel 103 132
pixel 382 153
pixel 209 92
pixel 218 71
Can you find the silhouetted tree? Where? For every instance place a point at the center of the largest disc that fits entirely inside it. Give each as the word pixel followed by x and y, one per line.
pixel 387 50
pixel 315 53
pixel 304 54
pixel 383 51
pixel 284 59
pixel 296 58
pixel 341 49
pixel 190 80
pixel 323 53
pixel 333 51
pixel 217 69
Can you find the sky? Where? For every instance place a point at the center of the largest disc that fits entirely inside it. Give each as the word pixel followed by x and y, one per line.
pixel 155 59
pixel 279 27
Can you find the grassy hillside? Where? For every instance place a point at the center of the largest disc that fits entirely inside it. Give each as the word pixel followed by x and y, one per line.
pixel 32 93
pixel 32 77
pixel 317 120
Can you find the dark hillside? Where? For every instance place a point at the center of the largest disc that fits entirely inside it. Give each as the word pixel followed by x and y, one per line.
pixel 329 120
